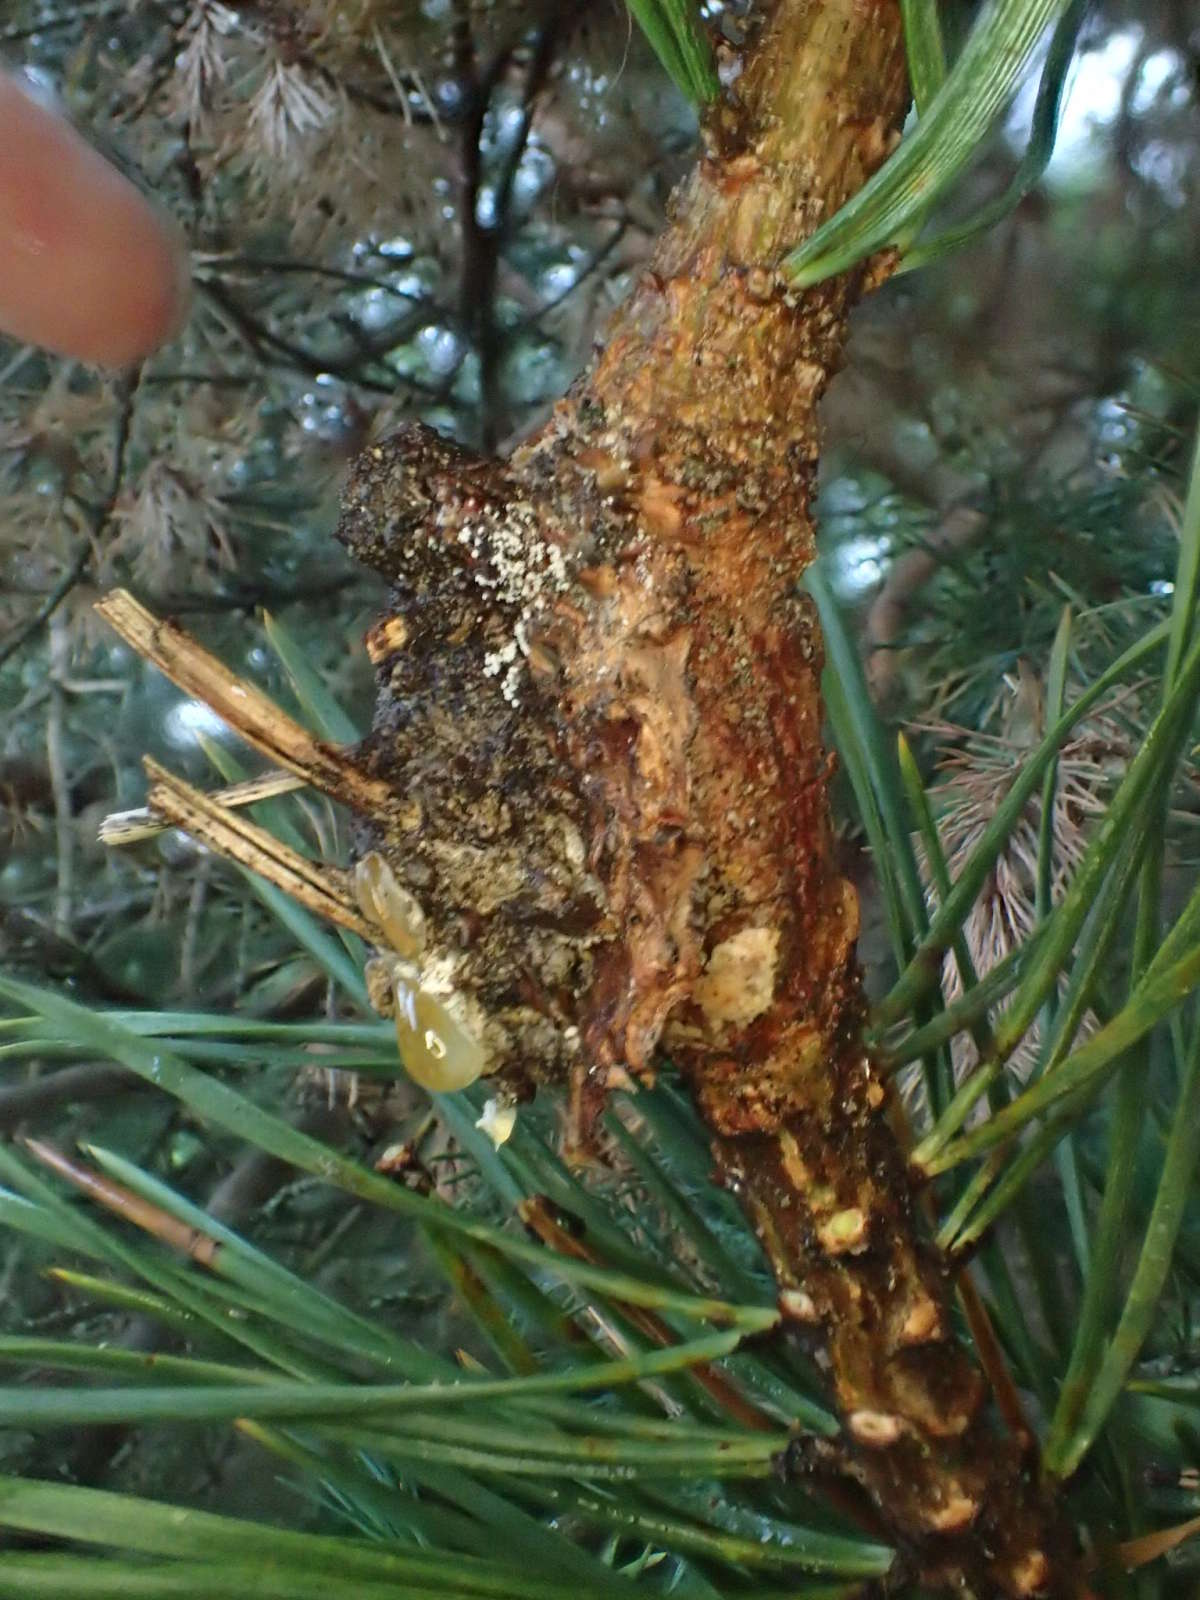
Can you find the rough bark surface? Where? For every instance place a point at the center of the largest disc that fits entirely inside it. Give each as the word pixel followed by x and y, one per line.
pixel 599 722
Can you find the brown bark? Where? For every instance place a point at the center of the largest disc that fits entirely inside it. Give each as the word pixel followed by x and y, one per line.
pixel 598 731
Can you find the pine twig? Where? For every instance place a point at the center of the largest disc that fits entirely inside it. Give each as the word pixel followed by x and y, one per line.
pixel 323 890
pixel 121 828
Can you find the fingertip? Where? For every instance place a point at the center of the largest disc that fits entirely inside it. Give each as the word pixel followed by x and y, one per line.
pixel 88 267
pixel 152 297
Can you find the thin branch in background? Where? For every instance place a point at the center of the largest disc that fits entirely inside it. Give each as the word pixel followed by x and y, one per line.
pixel 218 380
pixel 252 597
pixel 267 345
pixel 484 237
pixel 98 518
pixel 480 254
pixel 592 265
pixel 60 784
pixel 54 1092
pixel 193 922
pixel 70 17
pixel 60 957
pixel 285 266
pixel 34 624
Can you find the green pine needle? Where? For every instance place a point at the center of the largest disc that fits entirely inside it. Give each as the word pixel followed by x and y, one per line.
pixel 680 42
pixel 896 201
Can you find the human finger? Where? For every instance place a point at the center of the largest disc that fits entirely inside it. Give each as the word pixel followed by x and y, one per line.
pixel 88 267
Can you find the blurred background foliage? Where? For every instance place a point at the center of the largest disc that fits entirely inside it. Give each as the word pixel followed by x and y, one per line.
pixel 426 209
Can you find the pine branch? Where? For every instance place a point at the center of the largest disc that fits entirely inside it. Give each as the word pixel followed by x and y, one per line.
pixel 598 731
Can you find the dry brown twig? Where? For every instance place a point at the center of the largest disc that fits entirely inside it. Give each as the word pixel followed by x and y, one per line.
pixel 322 889
pixel 122 828
pixel 246 709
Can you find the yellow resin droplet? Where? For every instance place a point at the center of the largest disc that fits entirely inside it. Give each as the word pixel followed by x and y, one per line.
pixel 437 1051
pixel 392 909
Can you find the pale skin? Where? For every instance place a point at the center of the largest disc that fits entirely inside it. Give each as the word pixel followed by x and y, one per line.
pixel 88 267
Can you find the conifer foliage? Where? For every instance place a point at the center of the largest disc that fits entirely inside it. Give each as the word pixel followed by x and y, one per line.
pixel 478 1114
